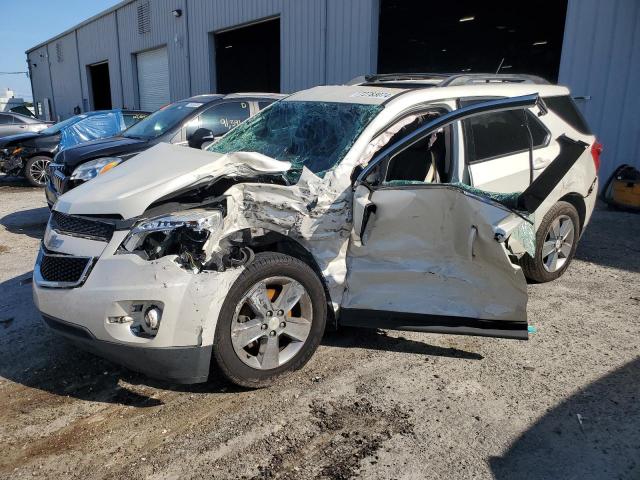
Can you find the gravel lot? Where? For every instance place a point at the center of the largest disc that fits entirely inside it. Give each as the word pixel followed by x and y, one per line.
pixel 370 404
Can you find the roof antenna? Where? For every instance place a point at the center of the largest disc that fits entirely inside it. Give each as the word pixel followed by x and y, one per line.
pixel 500 66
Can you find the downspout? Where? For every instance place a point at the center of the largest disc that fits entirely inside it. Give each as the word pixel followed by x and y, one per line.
pixel 188 43
pixel 33 95
pixel 53 97
pixel 75 34
pixel 325 40
pixel 115 13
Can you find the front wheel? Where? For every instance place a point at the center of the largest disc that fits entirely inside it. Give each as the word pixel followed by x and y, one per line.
pixel 271 322
pixel 556 242
pixel 35 170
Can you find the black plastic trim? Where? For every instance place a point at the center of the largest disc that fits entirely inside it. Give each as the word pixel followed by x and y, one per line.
pixel 184 365
pixel 541 188
pixel 422 322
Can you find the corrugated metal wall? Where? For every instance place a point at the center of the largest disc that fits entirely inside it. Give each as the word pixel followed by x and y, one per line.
pixel 165 29
pixel 65 75
pixel 321 41
pixel 97 42
pixel 601 59
pixel 40 75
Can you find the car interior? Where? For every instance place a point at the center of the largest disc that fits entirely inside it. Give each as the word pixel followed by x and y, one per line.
pixel 426 161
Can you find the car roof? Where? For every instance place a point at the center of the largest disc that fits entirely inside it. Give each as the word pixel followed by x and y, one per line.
pixel 212 97
pixel 370 94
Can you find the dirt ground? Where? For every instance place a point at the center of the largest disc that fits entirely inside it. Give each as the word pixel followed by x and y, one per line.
pixel 370 404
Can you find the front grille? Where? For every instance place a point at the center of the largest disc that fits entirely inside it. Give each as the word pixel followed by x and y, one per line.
pixel 81 227
pixel 63 268
pixel 58 178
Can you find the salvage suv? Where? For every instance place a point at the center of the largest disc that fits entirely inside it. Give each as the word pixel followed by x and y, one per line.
pixel 374 205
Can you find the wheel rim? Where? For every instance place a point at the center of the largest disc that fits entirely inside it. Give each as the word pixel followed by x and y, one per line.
pixel 558 243
pixel 271 323
pixel 38 170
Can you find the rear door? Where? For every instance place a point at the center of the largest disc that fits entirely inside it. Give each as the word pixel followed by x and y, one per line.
pixel 435 257
pixel 8 126
pixel 505 151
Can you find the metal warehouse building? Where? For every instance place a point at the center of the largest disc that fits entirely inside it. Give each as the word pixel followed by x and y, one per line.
pixel 145 53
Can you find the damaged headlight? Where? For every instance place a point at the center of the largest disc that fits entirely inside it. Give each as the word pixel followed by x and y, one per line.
pixel 92 169
pixel 183 234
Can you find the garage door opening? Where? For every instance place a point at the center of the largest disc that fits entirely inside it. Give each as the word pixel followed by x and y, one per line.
pixel 153 79
pixel 100 86
pixel 470 36
pixel 248 58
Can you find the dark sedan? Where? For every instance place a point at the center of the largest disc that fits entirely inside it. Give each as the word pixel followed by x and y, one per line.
pixel 191 122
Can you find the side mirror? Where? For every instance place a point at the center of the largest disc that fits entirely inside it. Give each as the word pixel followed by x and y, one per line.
pixel 200 136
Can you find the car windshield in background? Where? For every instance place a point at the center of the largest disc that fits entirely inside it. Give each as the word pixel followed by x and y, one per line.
pixel 161 120
pixel 316 135
pixel 53 129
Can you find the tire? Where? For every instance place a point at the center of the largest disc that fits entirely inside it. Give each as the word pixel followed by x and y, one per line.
pixel 252 366
pixel 541 268
pixel 35 170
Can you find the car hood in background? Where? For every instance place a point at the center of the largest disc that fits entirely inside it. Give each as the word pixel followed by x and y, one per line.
pixel 103 147
pixel 129 189
pixel 12 140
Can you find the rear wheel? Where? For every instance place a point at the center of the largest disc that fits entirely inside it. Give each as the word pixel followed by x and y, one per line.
pixel 35 170
pixel 271 322
pixel 556 242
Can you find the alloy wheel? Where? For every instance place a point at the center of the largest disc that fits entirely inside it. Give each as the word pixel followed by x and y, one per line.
pixel 558 243
pixel 271 323
pixel 38 170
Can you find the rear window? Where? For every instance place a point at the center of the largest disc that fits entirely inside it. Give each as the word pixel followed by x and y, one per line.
pixel 498 134
pixel 566 109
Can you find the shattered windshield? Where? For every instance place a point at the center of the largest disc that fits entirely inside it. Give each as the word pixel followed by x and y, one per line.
pixel 316 135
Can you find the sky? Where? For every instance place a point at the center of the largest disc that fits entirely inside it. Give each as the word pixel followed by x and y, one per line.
pixel 29 22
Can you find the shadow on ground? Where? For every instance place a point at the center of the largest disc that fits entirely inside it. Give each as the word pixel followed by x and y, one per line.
pixel 31 222
pixel 594 434
pixel 605 243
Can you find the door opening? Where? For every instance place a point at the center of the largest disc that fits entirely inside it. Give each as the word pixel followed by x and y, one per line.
pixel 469 36
pixel 248 58
pixel 100 86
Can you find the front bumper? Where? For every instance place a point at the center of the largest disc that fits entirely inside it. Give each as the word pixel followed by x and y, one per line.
pixel 181 349
pixel 175 364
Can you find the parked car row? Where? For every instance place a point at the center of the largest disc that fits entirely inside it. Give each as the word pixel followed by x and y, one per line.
pixel 29 154
pixel 410 202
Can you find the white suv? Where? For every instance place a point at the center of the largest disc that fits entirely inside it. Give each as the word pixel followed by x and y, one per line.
pixel 400 202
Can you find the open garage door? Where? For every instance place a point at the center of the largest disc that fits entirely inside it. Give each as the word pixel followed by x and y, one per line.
pixel 248 58
pixel 153 79
pixel 100 86
pixel 471 36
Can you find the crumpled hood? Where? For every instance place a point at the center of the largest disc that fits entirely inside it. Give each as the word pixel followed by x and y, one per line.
pixel 130 188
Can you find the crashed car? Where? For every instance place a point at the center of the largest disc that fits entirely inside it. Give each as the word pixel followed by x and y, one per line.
pixel 339 205
pixel 29 154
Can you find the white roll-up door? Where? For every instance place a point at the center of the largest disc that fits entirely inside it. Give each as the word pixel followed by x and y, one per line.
pixel 153 79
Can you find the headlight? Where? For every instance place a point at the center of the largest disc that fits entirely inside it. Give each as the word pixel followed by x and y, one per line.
pixel 182 233
pixel 91 169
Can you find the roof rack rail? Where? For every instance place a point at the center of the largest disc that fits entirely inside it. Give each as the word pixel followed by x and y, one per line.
pixel 448 79
pixel 396 77
pixel 471 78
